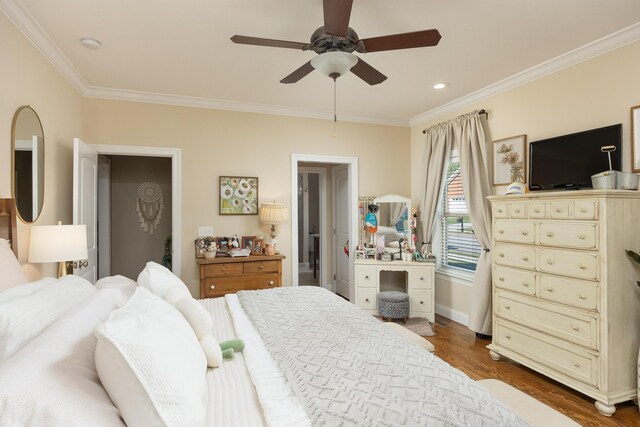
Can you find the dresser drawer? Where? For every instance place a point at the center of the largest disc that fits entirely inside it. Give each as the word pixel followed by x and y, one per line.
pixel 517 210
pixel 537 209
pixel 565 324
pixel 569 234
pixel 585 209
pixel 515 256
pixel 367 276
pixel 523 282
pixel 420 278
pixel 582 265
pixel 366 298
pixel 569 291
pixel 218 286
pixel 213 270
pixel 515 231
pixel 565 359
pixel 559 209
pixel 261 267
pixel 421 301
pixel 499 210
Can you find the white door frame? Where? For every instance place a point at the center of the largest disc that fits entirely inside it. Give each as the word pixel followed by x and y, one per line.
pixel 352 163
pixel 322 188
pixel 176 184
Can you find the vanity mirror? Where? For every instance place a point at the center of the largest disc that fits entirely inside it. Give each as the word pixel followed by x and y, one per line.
pixel 27 161
pixel 393 220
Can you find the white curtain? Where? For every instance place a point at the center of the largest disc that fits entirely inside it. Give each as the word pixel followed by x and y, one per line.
pixel 396 212
pixel 466 134
pixel 477 187
pixel 436 157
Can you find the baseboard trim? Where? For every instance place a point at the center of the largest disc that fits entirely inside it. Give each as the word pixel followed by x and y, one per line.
pixel 455 315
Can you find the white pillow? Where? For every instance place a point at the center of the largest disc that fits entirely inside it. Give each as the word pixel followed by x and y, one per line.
pixel 151 364
pixel 117 282
pixel 201 322
pixel 159 280
pixel 52 381
pixel 11 273
pixel 26 289
pixel 22 318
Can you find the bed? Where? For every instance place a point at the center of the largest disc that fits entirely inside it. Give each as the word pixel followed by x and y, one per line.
pixel 126 353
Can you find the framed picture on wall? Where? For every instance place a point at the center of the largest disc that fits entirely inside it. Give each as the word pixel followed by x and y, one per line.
pixel 238 195
pixel 509 160
pixel 635 138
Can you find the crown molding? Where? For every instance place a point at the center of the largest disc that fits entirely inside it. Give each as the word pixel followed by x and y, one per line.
pixel 22 19
pixel 573 57
pixel 220 104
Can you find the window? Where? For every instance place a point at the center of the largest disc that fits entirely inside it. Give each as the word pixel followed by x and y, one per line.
pixel 459 248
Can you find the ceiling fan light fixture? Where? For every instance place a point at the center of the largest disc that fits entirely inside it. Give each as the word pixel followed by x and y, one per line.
pixel 335 62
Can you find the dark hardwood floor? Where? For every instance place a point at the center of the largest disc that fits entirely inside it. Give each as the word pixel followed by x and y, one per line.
pixel 458 346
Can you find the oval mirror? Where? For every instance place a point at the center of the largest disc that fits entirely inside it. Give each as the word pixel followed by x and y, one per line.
pixel 27 159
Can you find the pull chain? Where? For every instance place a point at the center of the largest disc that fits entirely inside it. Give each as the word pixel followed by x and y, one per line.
pixel 335 116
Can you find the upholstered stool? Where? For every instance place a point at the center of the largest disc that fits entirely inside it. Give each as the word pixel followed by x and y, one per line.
pixel 393 305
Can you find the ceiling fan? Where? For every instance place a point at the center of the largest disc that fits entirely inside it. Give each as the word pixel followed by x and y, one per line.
pixel 335 43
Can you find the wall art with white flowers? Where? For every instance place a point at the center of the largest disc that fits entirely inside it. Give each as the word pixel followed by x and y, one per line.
pixel 509 160
pixel 238 195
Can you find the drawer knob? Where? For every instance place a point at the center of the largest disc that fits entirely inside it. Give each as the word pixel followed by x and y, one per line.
pixel 501 255
pixel 422 278
pixel 525 258
pixel 536 210
pixel 549 261
pixel 549 234
pixel 421 302
pixel 500 210
pixel 501 279
pixel 576 363
pixel 582 297
pixel 507 306
pixel 558 210
pixel 366 277
pixel 524 233
pixel 507 336
pixel 212 287
pixel 500 231
pixel 581 236
pixel 224 268
pixel 583 210
pixel 517 210
pixel 270 282
pixel 366 299
pixel 261 267
pixel 525 284
pixel 575 328
pixel 582 266
pixel 549 289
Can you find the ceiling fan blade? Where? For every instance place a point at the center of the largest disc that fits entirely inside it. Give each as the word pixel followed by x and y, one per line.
pixel 298 74
pixel 367 73
pixel 257 41
pixel 336 16
pixel 402 41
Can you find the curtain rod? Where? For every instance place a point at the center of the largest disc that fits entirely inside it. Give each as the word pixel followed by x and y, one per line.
pixel 483 111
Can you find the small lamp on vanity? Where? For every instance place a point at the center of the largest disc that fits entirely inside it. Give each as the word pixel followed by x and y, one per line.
pixel 58 243
pixel 273 214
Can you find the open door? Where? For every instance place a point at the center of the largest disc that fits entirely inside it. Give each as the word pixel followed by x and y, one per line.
pixel 341 225
pixel 85 204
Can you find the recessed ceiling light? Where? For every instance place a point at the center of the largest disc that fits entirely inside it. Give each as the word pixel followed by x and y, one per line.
pixel 90 43
pixel 439 85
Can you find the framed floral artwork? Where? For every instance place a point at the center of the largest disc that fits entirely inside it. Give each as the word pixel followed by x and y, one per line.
pixel 238 195
pixel 509 160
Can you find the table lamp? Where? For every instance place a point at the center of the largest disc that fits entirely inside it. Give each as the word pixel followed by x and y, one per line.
pixel 58 243
pixel 273 214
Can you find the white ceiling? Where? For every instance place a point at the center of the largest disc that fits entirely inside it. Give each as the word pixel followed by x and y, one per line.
pixel 181 49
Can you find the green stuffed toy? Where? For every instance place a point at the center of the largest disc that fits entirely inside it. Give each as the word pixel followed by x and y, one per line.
pixel 230 347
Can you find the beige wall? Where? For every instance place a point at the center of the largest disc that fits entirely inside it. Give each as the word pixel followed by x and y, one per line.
pixel 131 246
pixel 27 78
pixel 215 143
pixel 591 94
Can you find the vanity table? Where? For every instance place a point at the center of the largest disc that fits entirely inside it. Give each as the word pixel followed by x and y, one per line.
pixel 373 276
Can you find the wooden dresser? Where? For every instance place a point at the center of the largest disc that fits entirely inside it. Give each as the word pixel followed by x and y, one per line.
pixel 419 284
pixel 226 275
pixel 565 300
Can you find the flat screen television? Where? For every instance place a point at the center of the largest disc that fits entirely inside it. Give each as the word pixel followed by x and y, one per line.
pixel 567 162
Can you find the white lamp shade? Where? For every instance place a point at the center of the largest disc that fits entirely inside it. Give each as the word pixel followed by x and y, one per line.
pixel 273 213
pixel 334 62
pixel 56 243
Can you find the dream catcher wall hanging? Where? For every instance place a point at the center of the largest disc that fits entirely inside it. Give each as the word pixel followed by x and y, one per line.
pixel 150 206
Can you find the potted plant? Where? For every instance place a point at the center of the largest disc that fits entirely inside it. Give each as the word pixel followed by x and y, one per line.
pixel 636 257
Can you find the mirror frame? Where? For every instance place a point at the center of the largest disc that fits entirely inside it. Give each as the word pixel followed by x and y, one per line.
pixel 13 161
pixel 395 198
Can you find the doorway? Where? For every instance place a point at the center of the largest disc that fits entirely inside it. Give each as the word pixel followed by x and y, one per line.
pixel 336 251
pixel 312 224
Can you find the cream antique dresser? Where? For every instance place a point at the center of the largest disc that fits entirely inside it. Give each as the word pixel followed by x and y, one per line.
pixel 418 283
pixel 565 300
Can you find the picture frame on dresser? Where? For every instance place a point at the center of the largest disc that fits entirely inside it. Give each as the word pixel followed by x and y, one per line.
pixel 635 138
pixel 248 242
pixel 509 157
